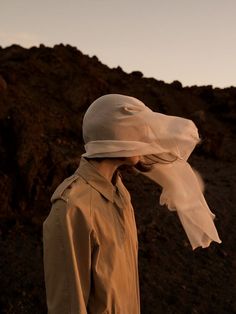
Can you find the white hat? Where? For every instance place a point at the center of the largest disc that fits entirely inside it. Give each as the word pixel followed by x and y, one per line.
pixel 122 126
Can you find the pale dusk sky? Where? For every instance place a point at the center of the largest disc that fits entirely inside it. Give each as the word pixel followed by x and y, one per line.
pixel 186 40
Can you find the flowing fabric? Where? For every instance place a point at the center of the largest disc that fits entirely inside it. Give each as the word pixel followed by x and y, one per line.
pixel 122 126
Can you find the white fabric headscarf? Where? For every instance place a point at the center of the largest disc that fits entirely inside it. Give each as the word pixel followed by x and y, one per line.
pixel 122 126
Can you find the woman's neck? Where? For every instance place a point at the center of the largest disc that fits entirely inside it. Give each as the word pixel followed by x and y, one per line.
pixel 106 167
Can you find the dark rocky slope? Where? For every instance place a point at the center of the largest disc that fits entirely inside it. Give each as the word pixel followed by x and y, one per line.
pixel 43 95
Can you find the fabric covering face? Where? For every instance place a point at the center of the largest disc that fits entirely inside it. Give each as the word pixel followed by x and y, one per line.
pixel 122 126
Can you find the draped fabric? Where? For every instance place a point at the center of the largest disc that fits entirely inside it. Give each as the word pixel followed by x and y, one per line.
pixel 122 126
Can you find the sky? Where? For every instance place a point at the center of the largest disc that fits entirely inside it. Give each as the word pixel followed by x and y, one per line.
pixel 192 41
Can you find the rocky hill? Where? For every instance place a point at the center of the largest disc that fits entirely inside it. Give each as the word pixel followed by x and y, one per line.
pixel 44 93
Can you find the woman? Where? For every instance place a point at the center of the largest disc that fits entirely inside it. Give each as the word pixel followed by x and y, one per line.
pixel 90 237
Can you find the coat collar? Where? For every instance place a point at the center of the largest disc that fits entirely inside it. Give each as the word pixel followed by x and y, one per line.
pixel 91 175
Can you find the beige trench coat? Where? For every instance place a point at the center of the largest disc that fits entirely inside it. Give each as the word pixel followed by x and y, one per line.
pixel 90 247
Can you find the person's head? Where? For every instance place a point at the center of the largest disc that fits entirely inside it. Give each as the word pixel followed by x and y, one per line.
pixel 119 126
pixel 112 128
pixel 112 119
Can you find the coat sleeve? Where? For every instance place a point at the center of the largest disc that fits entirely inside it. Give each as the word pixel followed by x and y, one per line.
pixel 68 241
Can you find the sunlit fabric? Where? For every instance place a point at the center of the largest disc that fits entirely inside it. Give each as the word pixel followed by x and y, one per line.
pixel 121 126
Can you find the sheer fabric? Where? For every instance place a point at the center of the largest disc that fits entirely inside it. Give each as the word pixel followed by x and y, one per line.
pixel 122 126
